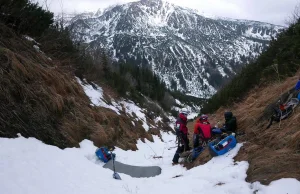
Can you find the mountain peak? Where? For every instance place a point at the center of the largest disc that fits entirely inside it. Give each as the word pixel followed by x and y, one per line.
pixel 189 52
pixel 151 1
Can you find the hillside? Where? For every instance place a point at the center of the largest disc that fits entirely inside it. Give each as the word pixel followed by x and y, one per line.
pixel 60 102
pixel 201 52
pixel 56 91
pixel 272 153
pixel 41 98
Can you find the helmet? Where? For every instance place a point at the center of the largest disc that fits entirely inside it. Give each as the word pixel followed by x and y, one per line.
pixel 184 111
pixel 203 118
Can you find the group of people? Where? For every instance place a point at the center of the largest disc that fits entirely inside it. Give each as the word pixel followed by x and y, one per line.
pixel 203 131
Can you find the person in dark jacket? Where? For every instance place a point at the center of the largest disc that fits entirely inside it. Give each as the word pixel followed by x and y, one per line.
pixel 182 134
pixel 202 131
pixel 230 123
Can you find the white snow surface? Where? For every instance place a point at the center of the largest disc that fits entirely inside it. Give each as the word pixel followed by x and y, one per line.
pixel 131 108
pixel 193 111
pixel 96 97
pixel 192 115
pixel 30 39
pixel 29 166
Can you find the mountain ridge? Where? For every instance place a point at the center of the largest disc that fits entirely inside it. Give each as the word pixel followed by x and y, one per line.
pixel 190 52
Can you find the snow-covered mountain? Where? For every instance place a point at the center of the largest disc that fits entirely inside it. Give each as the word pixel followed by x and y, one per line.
pixel 189 51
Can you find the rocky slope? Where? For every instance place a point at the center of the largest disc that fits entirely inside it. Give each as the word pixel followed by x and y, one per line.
pixel 190 52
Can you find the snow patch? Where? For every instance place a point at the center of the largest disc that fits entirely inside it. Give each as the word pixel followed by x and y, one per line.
pixel 192 115
pixel 30 39
pixel 158 119
pixel 96 96
pixel 131 108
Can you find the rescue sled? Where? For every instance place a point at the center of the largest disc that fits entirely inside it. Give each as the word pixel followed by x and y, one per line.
pixel 225 145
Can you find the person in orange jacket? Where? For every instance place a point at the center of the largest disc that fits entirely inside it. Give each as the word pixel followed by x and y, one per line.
pixel 202 131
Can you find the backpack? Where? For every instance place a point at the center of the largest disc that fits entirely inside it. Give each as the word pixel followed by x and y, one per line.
pixel 103 154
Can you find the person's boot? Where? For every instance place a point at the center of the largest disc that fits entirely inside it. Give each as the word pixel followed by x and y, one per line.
pixel 176 158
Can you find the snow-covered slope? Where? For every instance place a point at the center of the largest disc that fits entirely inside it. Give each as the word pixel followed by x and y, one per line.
pixel 30 167
pixel 192 110
pixel 189 51
pixel 132 110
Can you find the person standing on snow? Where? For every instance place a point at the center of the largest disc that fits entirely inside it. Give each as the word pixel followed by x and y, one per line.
pixel 182 134
pixel 202 131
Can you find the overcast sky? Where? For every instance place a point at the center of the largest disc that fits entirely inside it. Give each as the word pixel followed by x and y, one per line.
pixel 272 11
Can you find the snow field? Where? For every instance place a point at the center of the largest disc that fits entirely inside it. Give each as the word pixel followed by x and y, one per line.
pixel 29 166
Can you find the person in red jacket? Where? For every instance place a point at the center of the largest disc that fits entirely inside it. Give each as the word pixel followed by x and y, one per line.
pixel 202 131
pixel 182 134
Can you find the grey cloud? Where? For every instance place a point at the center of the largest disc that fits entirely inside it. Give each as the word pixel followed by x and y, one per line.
pixel 267 10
